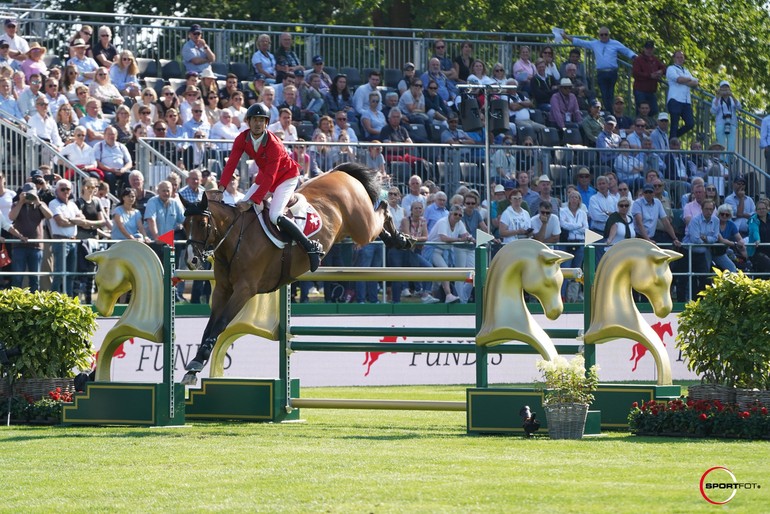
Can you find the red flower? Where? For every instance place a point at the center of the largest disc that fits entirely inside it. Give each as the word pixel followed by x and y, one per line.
pixel 703 417
pixel 764 411
pixel 745 414
pixel 635 405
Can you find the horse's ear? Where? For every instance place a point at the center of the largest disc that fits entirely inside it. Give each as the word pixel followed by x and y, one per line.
pixel 204 203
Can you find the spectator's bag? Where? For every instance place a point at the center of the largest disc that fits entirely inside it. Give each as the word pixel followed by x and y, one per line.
pixel 5 259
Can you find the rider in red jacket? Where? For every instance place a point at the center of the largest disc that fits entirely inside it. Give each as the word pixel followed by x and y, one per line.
pixel 278 174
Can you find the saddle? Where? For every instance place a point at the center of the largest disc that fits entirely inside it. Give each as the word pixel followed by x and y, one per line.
pixel 298 211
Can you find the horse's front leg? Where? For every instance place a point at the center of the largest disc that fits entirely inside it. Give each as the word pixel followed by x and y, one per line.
pixel 225 306
pixel 390 235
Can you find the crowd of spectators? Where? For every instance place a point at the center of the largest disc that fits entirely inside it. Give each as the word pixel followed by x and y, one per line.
pixel 94 109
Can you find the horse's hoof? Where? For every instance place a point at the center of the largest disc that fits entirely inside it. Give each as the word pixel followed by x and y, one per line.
pixel 195 366
pixel 190 379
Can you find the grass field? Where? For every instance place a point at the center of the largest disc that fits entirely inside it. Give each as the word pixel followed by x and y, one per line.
pixel 364 461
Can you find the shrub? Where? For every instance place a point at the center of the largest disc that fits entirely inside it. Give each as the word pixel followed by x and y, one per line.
pixel 725 334
pixel 52 330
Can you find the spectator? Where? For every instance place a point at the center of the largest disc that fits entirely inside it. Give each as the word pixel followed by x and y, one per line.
pixel 743 207
pixel 694 207
pixel 545 225
pixel 504 161
pixel 606 52
pixel 647 71
pixel 283 128
pixel 618 109
pixel 318 69
pixel 542 87
pixel 263 61
pixel 648 213
pixel 593 124
pixel 620 224
pixel 573 219
pixel 375 160
pixel 81 154
pixel 479 71
pixel 362 101
pixel 638 134
pixel 523 69
pixel 412 104
pixel 341 125
pixel 66 122
pixel 127 219
pixel 391 102
pixel 9 107
pixel 54 97
pixel 113 159
pixel 196 54
pixel 34 61
pixel 414 194
pixel 629 167
pixel 465 256
pixel 224 129
pixel 574 59
pixel 416 226
pixel 372 120
pixel 584 186
pixel 339 100
pixel 703 229
pixel 290 103
pixel 445 89
pixel 449 229
pixel 67 217
pixel 601 205
pixel 729 236
pixel 515 222
pixel 85 65
pixel 27 214
pixel 759 234
pixel 584 95
pixel 85 33
pixel 394 132
pixel 93 121
pixel 231 86
pixel 286 60
pixel 197 123
pixel 543 185
pixel 27 98
pixel 17 45
pixel 462 63
pixel 211 108
pixel 142 195
pixel 447 67
pixel 407 78
pixel 105 91
pixel 676 167
pixel 679 103
pixel 238 110
pixel 564 106
pixel 312 98
pixel 208 83
pixel 94 219
pixel 437 210
pixel 104 52
pixel 7 62
pixel 551 70
pixel 162 214
pixel 43 125
pixel 725 109
pixel 7 197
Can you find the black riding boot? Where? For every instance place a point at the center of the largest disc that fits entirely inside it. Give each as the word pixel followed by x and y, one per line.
pixel 314 249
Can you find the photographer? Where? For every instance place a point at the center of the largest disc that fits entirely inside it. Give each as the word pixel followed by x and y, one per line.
pixel 725 108
pixel 27 215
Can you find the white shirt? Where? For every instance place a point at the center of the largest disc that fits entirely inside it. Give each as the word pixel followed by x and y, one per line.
pixel 361 98
pixel 289 134
pixel 222 131
pixel 552 228
pixel 65 210
pixel 6 202
pixel 45 128
pixel 515 221
pixel 677 91
pixel 79 156
pixel 599 209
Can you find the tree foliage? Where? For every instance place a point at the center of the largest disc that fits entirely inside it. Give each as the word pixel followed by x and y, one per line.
pixel 722 40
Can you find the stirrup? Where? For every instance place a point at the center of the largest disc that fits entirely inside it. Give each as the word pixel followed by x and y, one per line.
pixel 315 254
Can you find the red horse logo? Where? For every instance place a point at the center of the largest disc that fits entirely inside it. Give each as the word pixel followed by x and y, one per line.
pixel 639 350
pixel 372 357
pixel 120 353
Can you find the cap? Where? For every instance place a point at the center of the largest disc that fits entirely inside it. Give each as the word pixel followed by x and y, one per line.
pixel 649 44
pixel 318 59
pixel 724 83
pixel 565 82
pixel 409 66
pixel 195 28
pixel 584 171
pixel 208 74
pixel 619 100
pixel 10 21
pixel 191 74
pixel 499 188
pixel 740 179
pixel 36 173
pixel 543 178
pixel 259 76
pixel 610 119
pixel 78 42
pixel 29 188
pixel 3 43
pixel 663 116
pixel 596 103
pixel 509 184
pixel 648 188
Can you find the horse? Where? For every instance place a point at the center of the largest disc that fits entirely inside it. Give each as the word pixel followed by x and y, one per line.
pixel 639 351
pixel 522 265
pixel 128 266
pixel 632 264
pixel 247 263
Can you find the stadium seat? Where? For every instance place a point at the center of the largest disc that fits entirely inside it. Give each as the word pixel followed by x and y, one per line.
pixel 147 67
pixel 52 60
pixel 171 69
pixel 523 131
pixel 391 76
pixel 241 70
pixel 219 68
pixel 418 133
pixel 551 137
pixel 331 70
pixel 155 83
pixel 354 76
pixel 305 130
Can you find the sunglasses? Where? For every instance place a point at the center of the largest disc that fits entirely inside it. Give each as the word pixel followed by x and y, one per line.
pixel 342 119
pixel 440 47
pixel 416 85
pixel 470 203
pixel 433 88
pixel 622 205
pixel 499 69
pixel 640 125
pixel 604 34
pixel 457 215
pixel 194 110
pixel 711 189
pixel 724 214
pixel 391 193
pixel 65 189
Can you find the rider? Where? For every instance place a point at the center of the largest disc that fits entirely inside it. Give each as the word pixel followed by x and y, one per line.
pixel 278 173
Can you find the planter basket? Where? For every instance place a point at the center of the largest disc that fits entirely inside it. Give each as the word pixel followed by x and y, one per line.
pixel 37 388
pixel 746 397
pixel 566 420
pixel 724 394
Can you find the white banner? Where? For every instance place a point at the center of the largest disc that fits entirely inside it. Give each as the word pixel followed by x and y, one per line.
pixel 142 361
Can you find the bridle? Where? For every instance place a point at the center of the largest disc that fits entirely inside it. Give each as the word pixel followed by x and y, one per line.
pixel 211 230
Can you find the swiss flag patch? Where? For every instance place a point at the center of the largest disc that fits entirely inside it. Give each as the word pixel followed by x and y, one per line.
pixel 312 223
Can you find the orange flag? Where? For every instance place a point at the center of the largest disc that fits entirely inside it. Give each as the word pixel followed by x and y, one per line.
pixel 167 238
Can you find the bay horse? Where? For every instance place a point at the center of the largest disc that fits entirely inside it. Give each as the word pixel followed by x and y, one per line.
pixel 247 263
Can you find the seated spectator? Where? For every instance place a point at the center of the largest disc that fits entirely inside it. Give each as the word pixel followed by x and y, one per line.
pixel 196 54
pixel 339 99
pixel 498 74
pixel 391 102
pixel 238 110
pixel 232 84
pixel 412 104
pixel 523 69
pixel 580 87
pixel 608 140
pixel 85 33
pixel 127 219
pixel 232 194
pixel 543 185
pixel 638 133
pixel 515 221
pixel 593 124
pixel 263 62
pixel 113 159
pixel 734 246
pixel 224 129
pixel 66 122
pixel 34 62
pixel 69 83
pixel 211 108
pixel 416 226
pixel 341 125
pixel 573 219
pixel 407 79
pixel 43 125
pixel 449 229
pixel 629 167
pixel 105 91
pixel 85 65
pixel 542 87
pixel 545 225
pixel 743 207
pixel 81 154
pixel 759 234
pixel 465 256
pixel 372 120
pixel 168 100
pixel 701 231
pixel 104 52
pixel 312 98
pixel 618 110
pixel 268 96
pixel 479 71
pixel 26 100
pixel 620 224
pixel 394 132
pixel 659 135
pixel 54 97
pixel 191 78
pixel 676 167
pixel 290 102
pixel 437 210
pixel 564 106
pixel 504 161
pixel 462 63
pixel 645 113
pixel 362 97
pixel 208 83
pixel 284 128
pixel 286 61
pixel 325 79
pixel 445 88
pixel 375 160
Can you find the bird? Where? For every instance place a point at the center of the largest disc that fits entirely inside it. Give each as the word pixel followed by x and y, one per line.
pixel 531 424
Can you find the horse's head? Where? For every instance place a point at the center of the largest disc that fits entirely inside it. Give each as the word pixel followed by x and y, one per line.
pixel 200 230
pixel 541 275
pixel 651 276
pixel 113 276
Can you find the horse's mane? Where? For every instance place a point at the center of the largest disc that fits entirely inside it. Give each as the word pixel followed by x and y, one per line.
pixel 367 176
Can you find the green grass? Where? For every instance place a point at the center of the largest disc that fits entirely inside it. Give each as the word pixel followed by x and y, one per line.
pixel 363 461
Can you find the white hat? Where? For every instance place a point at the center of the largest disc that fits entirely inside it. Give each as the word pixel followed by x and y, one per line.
pixel 499 188
pixel 565 82
pixel 724 83
pixel 207 74
pixel 663 116
pixel 543 178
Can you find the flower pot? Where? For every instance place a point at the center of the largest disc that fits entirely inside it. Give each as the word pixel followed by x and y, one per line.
pixel 745 398
pixel 724 394
pixel 566 420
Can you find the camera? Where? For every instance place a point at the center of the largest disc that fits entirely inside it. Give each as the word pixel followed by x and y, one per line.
pixel 728 128
pixel 49 178
pixel 30 196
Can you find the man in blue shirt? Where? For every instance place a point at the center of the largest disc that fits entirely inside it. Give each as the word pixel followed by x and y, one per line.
pixel 606 52
pixel 196 54
pixel 702 230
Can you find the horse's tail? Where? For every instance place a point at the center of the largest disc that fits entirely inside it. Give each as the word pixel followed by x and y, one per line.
pixel 367 176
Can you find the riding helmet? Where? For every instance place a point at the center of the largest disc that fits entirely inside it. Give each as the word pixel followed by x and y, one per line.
pixel 258 109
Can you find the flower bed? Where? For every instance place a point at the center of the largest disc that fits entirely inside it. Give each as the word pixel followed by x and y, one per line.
pixel 25 409
pixel 685 417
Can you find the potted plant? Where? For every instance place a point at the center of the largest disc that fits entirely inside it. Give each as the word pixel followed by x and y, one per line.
pixel 46 338
pixel 568 392
pixel 725 337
